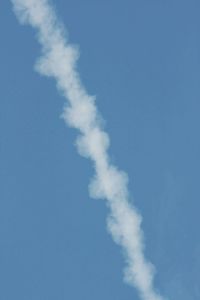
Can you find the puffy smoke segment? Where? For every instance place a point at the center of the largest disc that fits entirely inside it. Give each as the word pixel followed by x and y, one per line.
pixel 58 60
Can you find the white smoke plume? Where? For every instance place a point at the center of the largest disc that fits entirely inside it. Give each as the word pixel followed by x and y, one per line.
pixel 59 60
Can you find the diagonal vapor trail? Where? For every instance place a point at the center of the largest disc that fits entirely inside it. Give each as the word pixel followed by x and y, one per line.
pixel 59 60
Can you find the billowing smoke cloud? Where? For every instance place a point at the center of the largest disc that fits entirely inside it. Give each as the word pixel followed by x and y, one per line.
pixel 58 60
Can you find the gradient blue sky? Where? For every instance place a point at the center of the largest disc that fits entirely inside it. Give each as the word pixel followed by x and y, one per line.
pixel 142 60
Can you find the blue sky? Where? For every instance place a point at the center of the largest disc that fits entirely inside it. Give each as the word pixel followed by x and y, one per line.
pixel 141 59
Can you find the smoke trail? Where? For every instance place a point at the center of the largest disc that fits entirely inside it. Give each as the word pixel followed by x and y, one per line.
pixel 58 60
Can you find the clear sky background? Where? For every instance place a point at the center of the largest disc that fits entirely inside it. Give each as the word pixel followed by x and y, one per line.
pixel 142 60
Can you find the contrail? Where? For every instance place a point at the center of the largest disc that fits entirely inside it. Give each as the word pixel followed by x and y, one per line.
pixel 58 60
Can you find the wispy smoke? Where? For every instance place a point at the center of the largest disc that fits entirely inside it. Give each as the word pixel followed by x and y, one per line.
pixel 58 60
